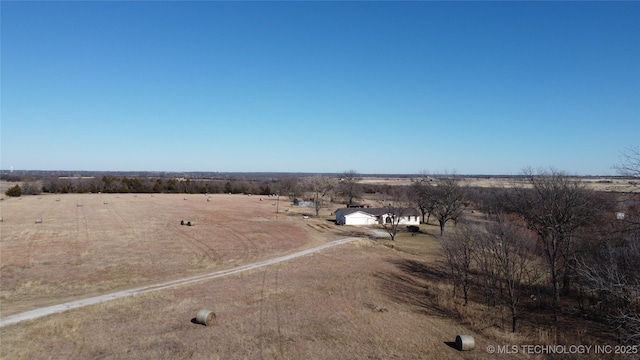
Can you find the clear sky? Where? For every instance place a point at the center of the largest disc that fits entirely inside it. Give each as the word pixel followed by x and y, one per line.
pixel 377 87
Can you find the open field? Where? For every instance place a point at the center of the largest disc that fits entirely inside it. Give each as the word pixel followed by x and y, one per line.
pixel 96 243
pixel 369 299
pixel 341 303
pixel 609 184
pixel 357 300
pixel 599 184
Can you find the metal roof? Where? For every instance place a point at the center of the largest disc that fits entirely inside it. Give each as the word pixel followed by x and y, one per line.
pixel 378 211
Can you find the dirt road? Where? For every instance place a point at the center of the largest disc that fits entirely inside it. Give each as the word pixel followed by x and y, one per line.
pixel 37 313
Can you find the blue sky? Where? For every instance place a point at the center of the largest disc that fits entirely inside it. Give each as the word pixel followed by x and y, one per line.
pixel 378 87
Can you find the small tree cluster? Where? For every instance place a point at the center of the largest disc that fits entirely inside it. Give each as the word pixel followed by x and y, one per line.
pixel 424 197
pixel 550 229
pixel 608 274
pixel 320 187
pixel 459 249
pixel 556 208
pixel 496 258
pixel 442 197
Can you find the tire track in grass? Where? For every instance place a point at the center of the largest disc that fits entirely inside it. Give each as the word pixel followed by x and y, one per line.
pixel 82 237
pixel 200 247
pixel 25 247
pixel 129 229
pixel 38 231
pixel 264 280
pixel 243 242
pixel 185 233
pixel 49 310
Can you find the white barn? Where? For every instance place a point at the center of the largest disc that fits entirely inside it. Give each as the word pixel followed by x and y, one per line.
pixel 374 216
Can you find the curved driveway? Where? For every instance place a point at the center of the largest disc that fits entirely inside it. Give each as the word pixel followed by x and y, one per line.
pixel 37 313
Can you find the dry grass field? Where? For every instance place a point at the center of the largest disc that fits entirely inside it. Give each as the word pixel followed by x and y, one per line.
pixel 612 184
pixel 599 184
pixel 369 299
pixel 339 303
pixel 96 243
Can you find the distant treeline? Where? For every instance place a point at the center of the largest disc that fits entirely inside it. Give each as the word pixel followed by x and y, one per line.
pixel 286 184
pixel 22 175
pixel 114 184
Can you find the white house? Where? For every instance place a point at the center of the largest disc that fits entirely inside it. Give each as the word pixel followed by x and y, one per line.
pixel 356 216
pixel 375 216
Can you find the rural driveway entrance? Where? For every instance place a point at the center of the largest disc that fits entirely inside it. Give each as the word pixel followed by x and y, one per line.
pixel 37 313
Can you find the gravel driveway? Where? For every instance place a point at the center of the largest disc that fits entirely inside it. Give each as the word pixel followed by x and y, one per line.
pixel 37 313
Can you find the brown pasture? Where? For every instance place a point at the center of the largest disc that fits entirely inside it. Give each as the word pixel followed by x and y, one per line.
pixel 369 299
pixel 608 184
pixel 96 243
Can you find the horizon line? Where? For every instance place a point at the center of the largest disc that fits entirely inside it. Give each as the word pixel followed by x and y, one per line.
pixel 363 174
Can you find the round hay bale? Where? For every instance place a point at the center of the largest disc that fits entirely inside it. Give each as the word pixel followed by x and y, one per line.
pixel 1 220
pixel 181 222
pixel 38 220
pixel 206 317
pixel 465 342
pixel 189 223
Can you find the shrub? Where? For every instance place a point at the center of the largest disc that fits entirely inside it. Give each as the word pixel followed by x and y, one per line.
pixel 31 188
pixel 15 191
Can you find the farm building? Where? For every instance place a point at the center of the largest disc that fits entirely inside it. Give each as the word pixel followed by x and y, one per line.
pixel 304 202
pixel 374 216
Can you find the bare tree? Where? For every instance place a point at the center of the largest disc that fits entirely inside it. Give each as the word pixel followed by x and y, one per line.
pixel 609 271
pixel 398 206
pixel 484 257
pixel 288 186
pixel 31 188
pixel 320 186
pixel 350 186
pixel 629 162
pixel 614 276
pixel 508 248
pixel 449 197
pixel 554 207
pixel 424 197
pixel 459 249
